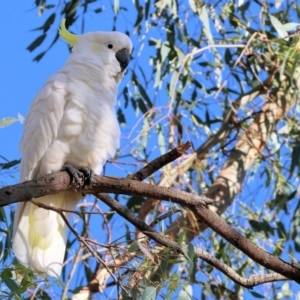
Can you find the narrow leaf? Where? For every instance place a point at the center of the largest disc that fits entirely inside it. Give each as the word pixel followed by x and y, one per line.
pixel 149 293
pixel 278 26
pixel 39 56
pixel 133 247
pixel 7 121
pixel 186 293
pixel 116 6
pixel 37 42
pixel 121 117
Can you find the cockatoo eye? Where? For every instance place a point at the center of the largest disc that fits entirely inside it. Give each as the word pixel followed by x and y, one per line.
pixel 110 46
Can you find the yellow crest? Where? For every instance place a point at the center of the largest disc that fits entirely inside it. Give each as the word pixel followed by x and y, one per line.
pixel 66 35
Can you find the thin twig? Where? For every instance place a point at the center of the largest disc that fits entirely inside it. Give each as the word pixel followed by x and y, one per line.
pixel 150 232
pixel 160 162
pixel 245 49
pixel 145 172
pixel 71 274
pixel 164 216
pixel 82 240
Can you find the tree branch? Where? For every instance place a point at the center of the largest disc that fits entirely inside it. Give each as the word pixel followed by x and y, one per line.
pixel 60 181
pixel 160 162
pixel 150 232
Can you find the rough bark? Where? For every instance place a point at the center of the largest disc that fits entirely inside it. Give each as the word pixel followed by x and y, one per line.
pixel 60 181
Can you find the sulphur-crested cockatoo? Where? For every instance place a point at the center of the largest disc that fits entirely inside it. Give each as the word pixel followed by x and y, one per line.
pixel 71 121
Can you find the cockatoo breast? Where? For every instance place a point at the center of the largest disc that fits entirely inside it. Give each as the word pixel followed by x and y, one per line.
pixel 89 127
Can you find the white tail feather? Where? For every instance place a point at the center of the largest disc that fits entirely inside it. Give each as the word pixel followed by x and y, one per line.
pixel 39 238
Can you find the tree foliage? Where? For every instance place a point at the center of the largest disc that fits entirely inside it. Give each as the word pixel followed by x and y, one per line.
pixel 224 76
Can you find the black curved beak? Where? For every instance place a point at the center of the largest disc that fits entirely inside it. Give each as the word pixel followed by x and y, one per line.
pixel 123 57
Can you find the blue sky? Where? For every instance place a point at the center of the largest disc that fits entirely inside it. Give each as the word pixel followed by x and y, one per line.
pixel 21 78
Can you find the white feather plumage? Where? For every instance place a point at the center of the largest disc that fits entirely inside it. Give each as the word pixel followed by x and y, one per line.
pixel 71 121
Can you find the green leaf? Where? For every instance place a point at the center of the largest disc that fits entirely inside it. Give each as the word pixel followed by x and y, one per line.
pixel 147 8
pixel 47 23
pixel 282 69
pixel 295 157
pixel 278 27
pixel 42 294
pixel 243 8
pixel 116 6
pixel 174 80
pixel 157 82
pixel 10 164
pixel 49 6
pixel 196 120
pixel 11 284
pixel 204 17
pixel 54 40
pixel 139 19
pixel 149 293
pixel 125 296
pixel 257 295
pixel 134 203
pixel 39 57
pixel 164 50
pixel 228 56
pixel 186 293
pixel 185 249
pixel 121 117
pixel 134 247
pixel 98 11
pixel 290 26
pixel 191 269
pixel 142 105
pixel 2 215
pixel 261 227
pixel 125 95
pixel 145 133
pixel 193 5
pixel 37 42
pixel 144 95
pixel 161 140
pixel 281 230
pixel 70 11
pixel 207 117
pixel 170 293
pixel 181 238
pixel 7 121
pixel 191 252
pixel 127 235
pixel 6 274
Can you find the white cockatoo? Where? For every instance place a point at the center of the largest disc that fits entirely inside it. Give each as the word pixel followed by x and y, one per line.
pixel 71 121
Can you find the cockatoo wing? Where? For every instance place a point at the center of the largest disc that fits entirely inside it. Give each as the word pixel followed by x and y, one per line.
pixel 40 234
pixel 41 130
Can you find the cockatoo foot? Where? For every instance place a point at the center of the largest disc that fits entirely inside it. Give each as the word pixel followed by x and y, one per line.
pixel 76 176
pixel 83 175
pixel 88 174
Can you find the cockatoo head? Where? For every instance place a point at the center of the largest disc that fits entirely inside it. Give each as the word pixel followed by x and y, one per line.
pixel 109 48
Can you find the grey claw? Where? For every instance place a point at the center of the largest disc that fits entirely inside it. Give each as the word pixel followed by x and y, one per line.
pixel 75 175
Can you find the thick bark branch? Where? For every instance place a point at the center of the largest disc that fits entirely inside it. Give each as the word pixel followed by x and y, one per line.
pixel 249 283
pixel 60 181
